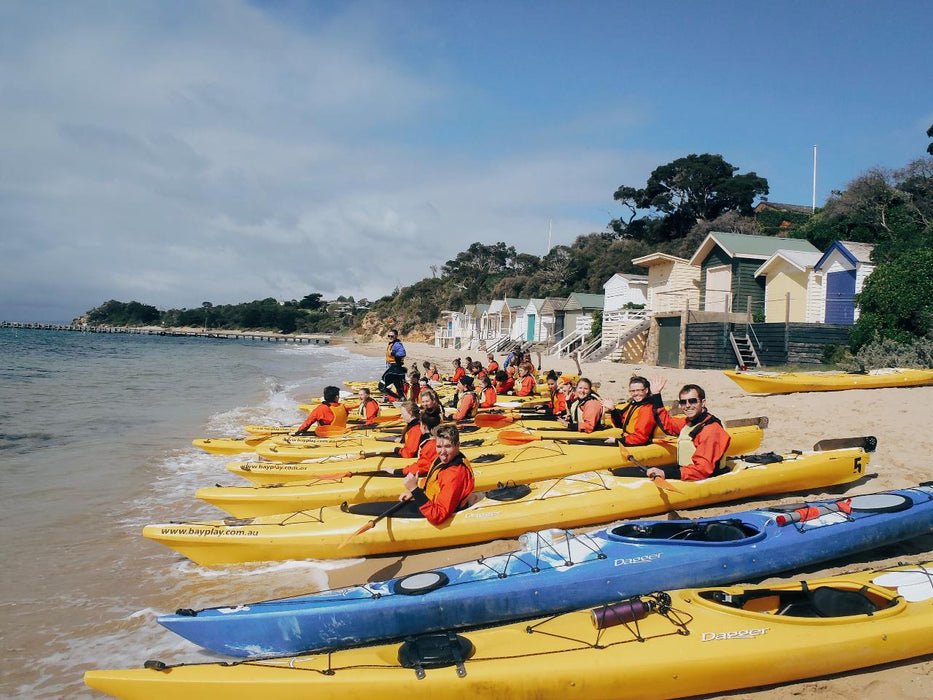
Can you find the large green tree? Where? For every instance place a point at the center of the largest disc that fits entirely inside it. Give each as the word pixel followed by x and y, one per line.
pixel 897 300
pixel 681 194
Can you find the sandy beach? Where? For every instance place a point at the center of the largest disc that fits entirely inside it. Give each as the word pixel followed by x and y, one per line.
pixel 897 417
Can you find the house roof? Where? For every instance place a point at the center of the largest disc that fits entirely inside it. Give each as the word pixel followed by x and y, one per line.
pixel 656 259
pixel 743 245
pixel 580 300
pixel 535 303
pixel 553 304
pixel 854 252
pixel 514 303
pixel 802 260
pixel 631 279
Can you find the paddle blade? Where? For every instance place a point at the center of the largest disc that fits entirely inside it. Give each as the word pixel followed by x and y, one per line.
pixel 490 420
pixel 386 419
pixel 368 526
pixel 330 430
pixel 516 437
pixel 664 484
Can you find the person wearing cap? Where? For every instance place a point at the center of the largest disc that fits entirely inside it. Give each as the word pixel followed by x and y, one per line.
pixel 329 412
pixel 394 376
pixel 464 402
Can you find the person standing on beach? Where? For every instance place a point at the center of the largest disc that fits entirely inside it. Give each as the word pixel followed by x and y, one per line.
pixel 329 412
pixel 702 440
pixel 394 376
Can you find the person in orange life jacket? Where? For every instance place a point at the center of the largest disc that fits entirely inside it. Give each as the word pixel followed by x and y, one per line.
pixel 558 401
pixel 392 384
pixel 329 412
pixel 458 371
pixel 369 407
pixel 493 366
pixel 430 401
pixel 426 449
pixel 411 433
pixel 414 385
pixel 702 441
pixel 487 393
pixel 464 403
pixel 476 369
pixel 448 483
pixel 431 372
pixel 504 382
pixel 586 412
pixel 525 385
pixel 636 419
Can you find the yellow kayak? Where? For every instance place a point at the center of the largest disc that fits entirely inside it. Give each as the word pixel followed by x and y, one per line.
pixel 664 645
pixel 589 498
pixel 363 480
pixel 790 382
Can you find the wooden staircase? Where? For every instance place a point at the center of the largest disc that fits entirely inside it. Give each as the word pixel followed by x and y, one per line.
pixel 744 350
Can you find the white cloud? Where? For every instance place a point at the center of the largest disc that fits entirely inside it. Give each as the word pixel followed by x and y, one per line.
pixel 180 153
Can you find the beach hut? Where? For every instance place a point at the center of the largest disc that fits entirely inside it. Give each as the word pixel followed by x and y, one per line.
pixel 728 262
pixel 623 290
pixel 673 283
pixel 537 324
pixel 844 268
pixel 789 285
pixel 552 315
pixel 578 312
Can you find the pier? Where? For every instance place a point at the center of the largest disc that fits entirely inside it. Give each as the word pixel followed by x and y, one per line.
pixel 269 336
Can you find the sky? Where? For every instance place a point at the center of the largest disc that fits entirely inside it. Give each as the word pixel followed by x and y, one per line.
pixel 222 150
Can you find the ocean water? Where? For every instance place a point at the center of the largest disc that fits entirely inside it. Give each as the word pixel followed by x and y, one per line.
pixel 95 442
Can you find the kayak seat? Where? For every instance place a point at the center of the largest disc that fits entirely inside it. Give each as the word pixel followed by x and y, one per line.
pixel 728 530
pixel 409 510
pixel 764 458
pixel 824 601
pixel 508 492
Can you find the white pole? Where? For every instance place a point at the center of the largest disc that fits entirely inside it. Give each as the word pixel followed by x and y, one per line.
pixel 548 237
pixel 813 207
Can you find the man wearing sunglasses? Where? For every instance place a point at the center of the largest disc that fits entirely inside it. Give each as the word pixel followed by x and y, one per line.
pixel 701 439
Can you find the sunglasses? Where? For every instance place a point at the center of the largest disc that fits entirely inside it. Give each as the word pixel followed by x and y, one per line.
pixel 688 402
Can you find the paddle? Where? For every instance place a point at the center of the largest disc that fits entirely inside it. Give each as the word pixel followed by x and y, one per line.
pixel 658 481
pixel 372 523
pixel 516 437
pixel 492 420
pixel 330 430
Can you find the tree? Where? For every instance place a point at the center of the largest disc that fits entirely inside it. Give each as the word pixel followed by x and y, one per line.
pixel 896 301
pixel 311 302
pixel 683 192
pixel 891 209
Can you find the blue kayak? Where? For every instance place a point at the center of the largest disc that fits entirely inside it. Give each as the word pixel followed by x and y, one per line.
pixel 559 571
